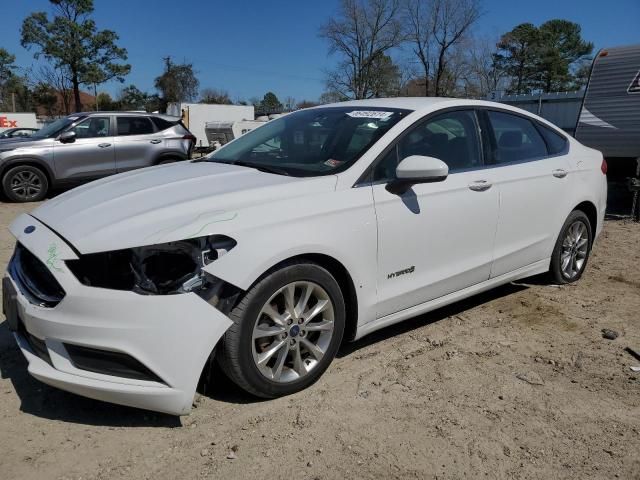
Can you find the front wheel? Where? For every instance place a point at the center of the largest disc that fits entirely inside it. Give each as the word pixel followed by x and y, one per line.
pixel 571 252
pixel 287 329
pixel 25 183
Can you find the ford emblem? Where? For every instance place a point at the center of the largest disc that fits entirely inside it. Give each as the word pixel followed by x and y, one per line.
pixel 29 229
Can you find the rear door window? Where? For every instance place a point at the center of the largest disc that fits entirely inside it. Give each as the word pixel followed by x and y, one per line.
pixel 517 138
pixel 134 126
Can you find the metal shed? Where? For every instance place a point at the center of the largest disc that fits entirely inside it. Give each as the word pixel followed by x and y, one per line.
pixel 561 109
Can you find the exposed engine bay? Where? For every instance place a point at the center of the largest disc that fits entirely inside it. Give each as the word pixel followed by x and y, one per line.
pixel 163 269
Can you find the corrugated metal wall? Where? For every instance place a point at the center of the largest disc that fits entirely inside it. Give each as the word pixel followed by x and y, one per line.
pixel 561 109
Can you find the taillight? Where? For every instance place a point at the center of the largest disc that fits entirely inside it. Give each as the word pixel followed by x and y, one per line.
pixel 189 137
pixel 604 167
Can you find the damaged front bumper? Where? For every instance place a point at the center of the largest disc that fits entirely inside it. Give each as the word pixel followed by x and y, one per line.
pixel 145 351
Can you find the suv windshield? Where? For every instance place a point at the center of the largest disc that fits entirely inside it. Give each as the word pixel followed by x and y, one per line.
pixel 56 127
pixel 319 141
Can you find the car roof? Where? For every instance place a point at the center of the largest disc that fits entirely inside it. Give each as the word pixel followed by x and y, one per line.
pixel 428 104
pixel 420 103
pixel 125 114
pixel 411 103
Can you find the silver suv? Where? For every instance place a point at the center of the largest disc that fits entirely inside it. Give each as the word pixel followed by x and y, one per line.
pixel 86 146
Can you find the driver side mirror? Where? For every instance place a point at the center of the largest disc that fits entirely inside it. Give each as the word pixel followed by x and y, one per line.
pixel 417 169
pixel 67 137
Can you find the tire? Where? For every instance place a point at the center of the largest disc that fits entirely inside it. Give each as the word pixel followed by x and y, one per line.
pixel 240 352
pixel 25 183
pixel 568 250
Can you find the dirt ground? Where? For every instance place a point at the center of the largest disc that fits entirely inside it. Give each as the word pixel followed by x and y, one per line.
pixel 515 383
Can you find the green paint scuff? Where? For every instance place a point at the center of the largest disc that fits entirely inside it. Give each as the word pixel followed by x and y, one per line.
pixel 53 257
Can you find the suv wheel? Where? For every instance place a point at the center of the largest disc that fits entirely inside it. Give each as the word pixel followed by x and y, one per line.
pixel 287 330
pixel 25 183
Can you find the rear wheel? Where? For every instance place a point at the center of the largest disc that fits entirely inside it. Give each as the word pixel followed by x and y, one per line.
pixel 287 330
pixel 25 183
pixel 571 252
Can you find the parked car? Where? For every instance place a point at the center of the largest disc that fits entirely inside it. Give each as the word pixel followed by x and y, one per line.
pixel 87 146
pixel 321 226
pixel 17 133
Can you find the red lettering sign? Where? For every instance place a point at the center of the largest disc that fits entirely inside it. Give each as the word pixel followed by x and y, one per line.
pixel 6 123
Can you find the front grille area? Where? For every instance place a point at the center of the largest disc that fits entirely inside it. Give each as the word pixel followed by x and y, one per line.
pixel 34 279
pixel 109 363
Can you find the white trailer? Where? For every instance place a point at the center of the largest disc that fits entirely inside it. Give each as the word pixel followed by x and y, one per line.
pixel 220 133
pixel 18 120
pixel 196 115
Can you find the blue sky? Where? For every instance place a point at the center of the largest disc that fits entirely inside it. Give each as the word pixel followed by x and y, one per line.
pixel 251 47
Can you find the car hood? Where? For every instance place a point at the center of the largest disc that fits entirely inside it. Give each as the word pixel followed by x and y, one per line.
pixel 7 144
pixel 166 203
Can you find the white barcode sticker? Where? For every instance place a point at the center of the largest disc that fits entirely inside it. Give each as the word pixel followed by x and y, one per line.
pixel 370 114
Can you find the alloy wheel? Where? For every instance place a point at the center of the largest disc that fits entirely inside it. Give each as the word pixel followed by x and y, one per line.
pixel 574 250
pixel 26 184
pixel 293 331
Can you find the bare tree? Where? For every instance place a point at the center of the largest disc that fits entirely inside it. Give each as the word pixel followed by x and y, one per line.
pixel 215 96
pixel 331 96
pixel 435 29
pixel 60 80
pixel 485 75
pixel 419 23
pixel 362 33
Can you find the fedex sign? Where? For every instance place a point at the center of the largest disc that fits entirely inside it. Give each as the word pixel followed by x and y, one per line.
pixel 17 120
pixel 5 122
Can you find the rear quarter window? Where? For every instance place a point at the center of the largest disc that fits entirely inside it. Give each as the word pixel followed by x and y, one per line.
pixel 556 143
pixel 162 124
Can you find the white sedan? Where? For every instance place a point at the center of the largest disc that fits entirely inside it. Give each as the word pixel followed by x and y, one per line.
pixel 318 227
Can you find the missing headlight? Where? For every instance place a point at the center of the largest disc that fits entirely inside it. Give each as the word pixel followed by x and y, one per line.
pixel 163 269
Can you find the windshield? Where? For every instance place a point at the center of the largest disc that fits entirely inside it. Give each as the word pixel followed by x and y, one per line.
pixel 56 127
pixel 319 141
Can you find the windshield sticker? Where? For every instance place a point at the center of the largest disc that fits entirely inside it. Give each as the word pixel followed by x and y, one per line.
pixel 370 114
pixel 332 163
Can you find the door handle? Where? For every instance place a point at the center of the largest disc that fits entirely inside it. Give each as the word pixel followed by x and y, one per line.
pixel 104 145
pixel 155 141
pixel 480 186
pixel 559 173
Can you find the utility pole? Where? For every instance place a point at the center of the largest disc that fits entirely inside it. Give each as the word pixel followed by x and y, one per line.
pixel 13 101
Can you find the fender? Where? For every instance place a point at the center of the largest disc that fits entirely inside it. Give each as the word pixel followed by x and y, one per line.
pixel 26 160
pixel 599 214
pixel 348 236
